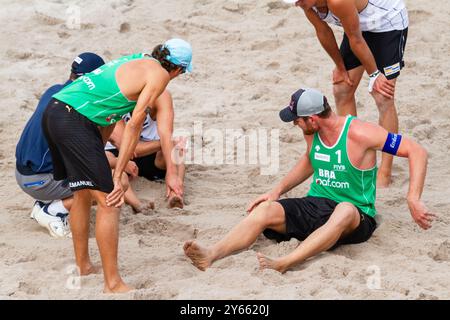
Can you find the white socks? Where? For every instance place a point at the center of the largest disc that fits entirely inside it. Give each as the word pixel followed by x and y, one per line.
pixel 57 207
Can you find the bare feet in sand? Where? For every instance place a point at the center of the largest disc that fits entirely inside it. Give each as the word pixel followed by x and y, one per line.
pixel 268 263
pixel 120 287
pixel 175 202
pixel 145 208
pixel 200 256
pixel 88 269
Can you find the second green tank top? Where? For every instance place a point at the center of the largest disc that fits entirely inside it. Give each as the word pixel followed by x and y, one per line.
pixel 97 96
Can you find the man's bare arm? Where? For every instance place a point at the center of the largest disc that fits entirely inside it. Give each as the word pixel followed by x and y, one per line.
pixel 298 174
pixel 301 171
pixel 145 148
pixel 164 119
pixel 155 85
pixel 326 38
pixel 375 137
pixel 347 12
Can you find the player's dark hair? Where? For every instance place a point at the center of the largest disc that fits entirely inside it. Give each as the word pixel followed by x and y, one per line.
pixel 160 53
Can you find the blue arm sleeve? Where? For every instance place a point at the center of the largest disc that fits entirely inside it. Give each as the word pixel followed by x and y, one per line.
pixel 392 143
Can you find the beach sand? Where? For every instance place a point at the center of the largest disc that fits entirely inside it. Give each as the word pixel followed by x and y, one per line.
pixel 249 57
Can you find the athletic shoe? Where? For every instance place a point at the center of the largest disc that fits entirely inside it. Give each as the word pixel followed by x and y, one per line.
pixel 57 226
pixel 37 206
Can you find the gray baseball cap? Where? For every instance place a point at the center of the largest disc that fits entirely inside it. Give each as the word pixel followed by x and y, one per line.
pixel 304 103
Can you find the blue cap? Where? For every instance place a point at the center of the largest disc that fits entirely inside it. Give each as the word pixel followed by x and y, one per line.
pixel 180 53
pixel 86 62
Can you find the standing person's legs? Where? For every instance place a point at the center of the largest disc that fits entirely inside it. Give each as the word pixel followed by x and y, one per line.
pixel 388 49
pixel 267 215
pixel 344 94
pixel 388 119
pixel 79 225
pixel 67 203
pixel 83 162
pixel 107 235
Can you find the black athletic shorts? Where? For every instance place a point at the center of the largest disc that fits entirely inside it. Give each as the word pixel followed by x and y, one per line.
pixel 77 148
pixel 147 167
pixel 305 215
pixel 387 48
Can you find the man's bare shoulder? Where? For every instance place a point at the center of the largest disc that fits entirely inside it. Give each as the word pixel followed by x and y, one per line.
pixel 362 130
pixel 336 3
pixel 366 133
pixel 154 69
pixel 341 7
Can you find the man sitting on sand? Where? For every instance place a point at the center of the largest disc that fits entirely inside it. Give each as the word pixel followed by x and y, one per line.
pixel 340 205
pixel 34 165
pixel 148 155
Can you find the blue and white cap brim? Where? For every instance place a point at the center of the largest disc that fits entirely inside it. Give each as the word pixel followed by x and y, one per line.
pixel 286 115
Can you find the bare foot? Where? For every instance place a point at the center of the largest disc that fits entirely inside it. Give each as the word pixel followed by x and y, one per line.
pixel 89 269
pixel 383 181
pixel 144 208
pixel 175 202
pixel 200 256
pixel 120 287
pixel 268 263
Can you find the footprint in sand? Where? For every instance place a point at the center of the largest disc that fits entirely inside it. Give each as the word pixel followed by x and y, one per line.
pixel 63 35
pixel 19 55
pixel 277 5
pixel 29 288
pixel 163 227
pixel 153 294
pixel 20 259
pixel 234 8
pixel 145 285
pixel 126 3
pixel 268 45
pixel 273 66
pixel 279 24
pixel 424 131
pixel 124 27
pixel 395 202
pixel 442 253
pixel 47 20
pixel 211 233
pixel 256 96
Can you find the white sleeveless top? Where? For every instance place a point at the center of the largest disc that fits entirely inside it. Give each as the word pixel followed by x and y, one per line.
pixel 149 130
pixel 378 16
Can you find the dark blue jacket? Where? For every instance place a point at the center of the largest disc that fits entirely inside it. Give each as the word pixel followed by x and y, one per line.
pixel 32 153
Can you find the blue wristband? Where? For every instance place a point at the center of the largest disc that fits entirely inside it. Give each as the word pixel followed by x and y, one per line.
pixel 392 143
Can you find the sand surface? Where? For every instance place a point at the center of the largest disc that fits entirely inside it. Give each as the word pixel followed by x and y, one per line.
pixel 249 57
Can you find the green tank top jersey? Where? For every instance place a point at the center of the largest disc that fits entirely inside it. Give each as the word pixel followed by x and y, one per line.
pixel 337 179
pixel 97 96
